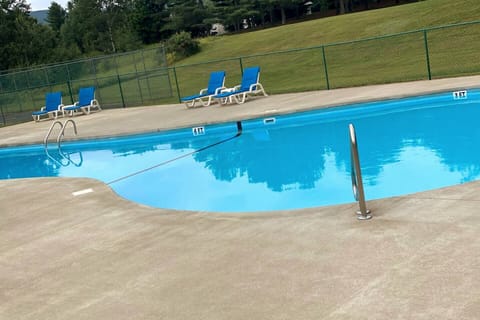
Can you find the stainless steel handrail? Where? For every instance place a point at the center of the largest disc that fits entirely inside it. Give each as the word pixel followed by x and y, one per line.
pixel 357 183
pixel 59 139
pixel 45 140
pixel 62 131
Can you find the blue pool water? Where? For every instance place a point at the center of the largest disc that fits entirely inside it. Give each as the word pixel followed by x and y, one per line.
pixel 295 161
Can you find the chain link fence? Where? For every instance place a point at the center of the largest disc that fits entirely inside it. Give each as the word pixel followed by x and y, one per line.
pixel 128 79
pixel 445 51
pixel 143 78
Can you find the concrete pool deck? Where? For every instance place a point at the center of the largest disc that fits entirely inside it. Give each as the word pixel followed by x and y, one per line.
pixel 98 256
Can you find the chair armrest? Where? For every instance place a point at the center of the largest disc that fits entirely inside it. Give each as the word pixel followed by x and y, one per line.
pixel 255 85
pixel 203 91
pixel 219 90
pixel 228 90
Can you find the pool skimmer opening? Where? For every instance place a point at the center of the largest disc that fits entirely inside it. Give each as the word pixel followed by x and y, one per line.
pixel 267 121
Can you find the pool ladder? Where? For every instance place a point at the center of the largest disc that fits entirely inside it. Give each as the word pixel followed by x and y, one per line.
pixel 357 183
pixel 60 136
pixel 62 131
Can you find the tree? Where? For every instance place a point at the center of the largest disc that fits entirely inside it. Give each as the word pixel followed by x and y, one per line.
pixel 24 42
pixel 181 45
pixel 344 6
pixel 56 16
pixel 266 9
pixel 99 26
pixel 80 28
pixel 148 18
pixel 188 15
pixel 119 32
pixel 284 5
pixel 236 14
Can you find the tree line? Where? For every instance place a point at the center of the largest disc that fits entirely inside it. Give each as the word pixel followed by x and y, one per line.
pixel 88 28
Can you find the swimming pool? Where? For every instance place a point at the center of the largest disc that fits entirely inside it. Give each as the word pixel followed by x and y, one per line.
pixel 284 162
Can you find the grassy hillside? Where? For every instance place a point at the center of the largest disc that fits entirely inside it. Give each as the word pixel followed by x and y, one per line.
pixel 452 51
pixel 348 27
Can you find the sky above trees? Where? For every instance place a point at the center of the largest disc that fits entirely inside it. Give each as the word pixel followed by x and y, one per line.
pixel 36 5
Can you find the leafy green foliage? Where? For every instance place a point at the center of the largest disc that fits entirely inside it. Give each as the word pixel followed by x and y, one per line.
pixel 98 26
pixel 235 14
pixel 148 18
pixel 181 45
pixel 189 16
pixel 23 42
pixel 56 16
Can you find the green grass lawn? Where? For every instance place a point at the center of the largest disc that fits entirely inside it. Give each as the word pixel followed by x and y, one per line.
pixel 452 51
pixel 366 24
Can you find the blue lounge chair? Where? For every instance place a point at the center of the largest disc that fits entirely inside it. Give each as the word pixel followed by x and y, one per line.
pixel 250 86
pixel 86 102
pixel 53 105
pixel 205 97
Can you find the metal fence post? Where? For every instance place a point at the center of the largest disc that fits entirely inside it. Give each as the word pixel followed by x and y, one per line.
pixel 176 84
pixel 138 79
pixel 325 67
pixel 94 70
pixel 3 116
pixel 121 90
pixel 31 98
pixel 119 81
pixel 46 75
pixel 147 77
pixel 69 85
pixel 241 65
pixel 427 55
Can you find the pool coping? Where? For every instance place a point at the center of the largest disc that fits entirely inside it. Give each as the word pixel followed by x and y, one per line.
pixel 138 120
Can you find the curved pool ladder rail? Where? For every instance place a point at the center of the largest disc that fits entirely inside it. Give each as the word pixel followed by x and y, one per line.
pixel 45 140
pixel 61 134
pixel 356 172
pixel 62 131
